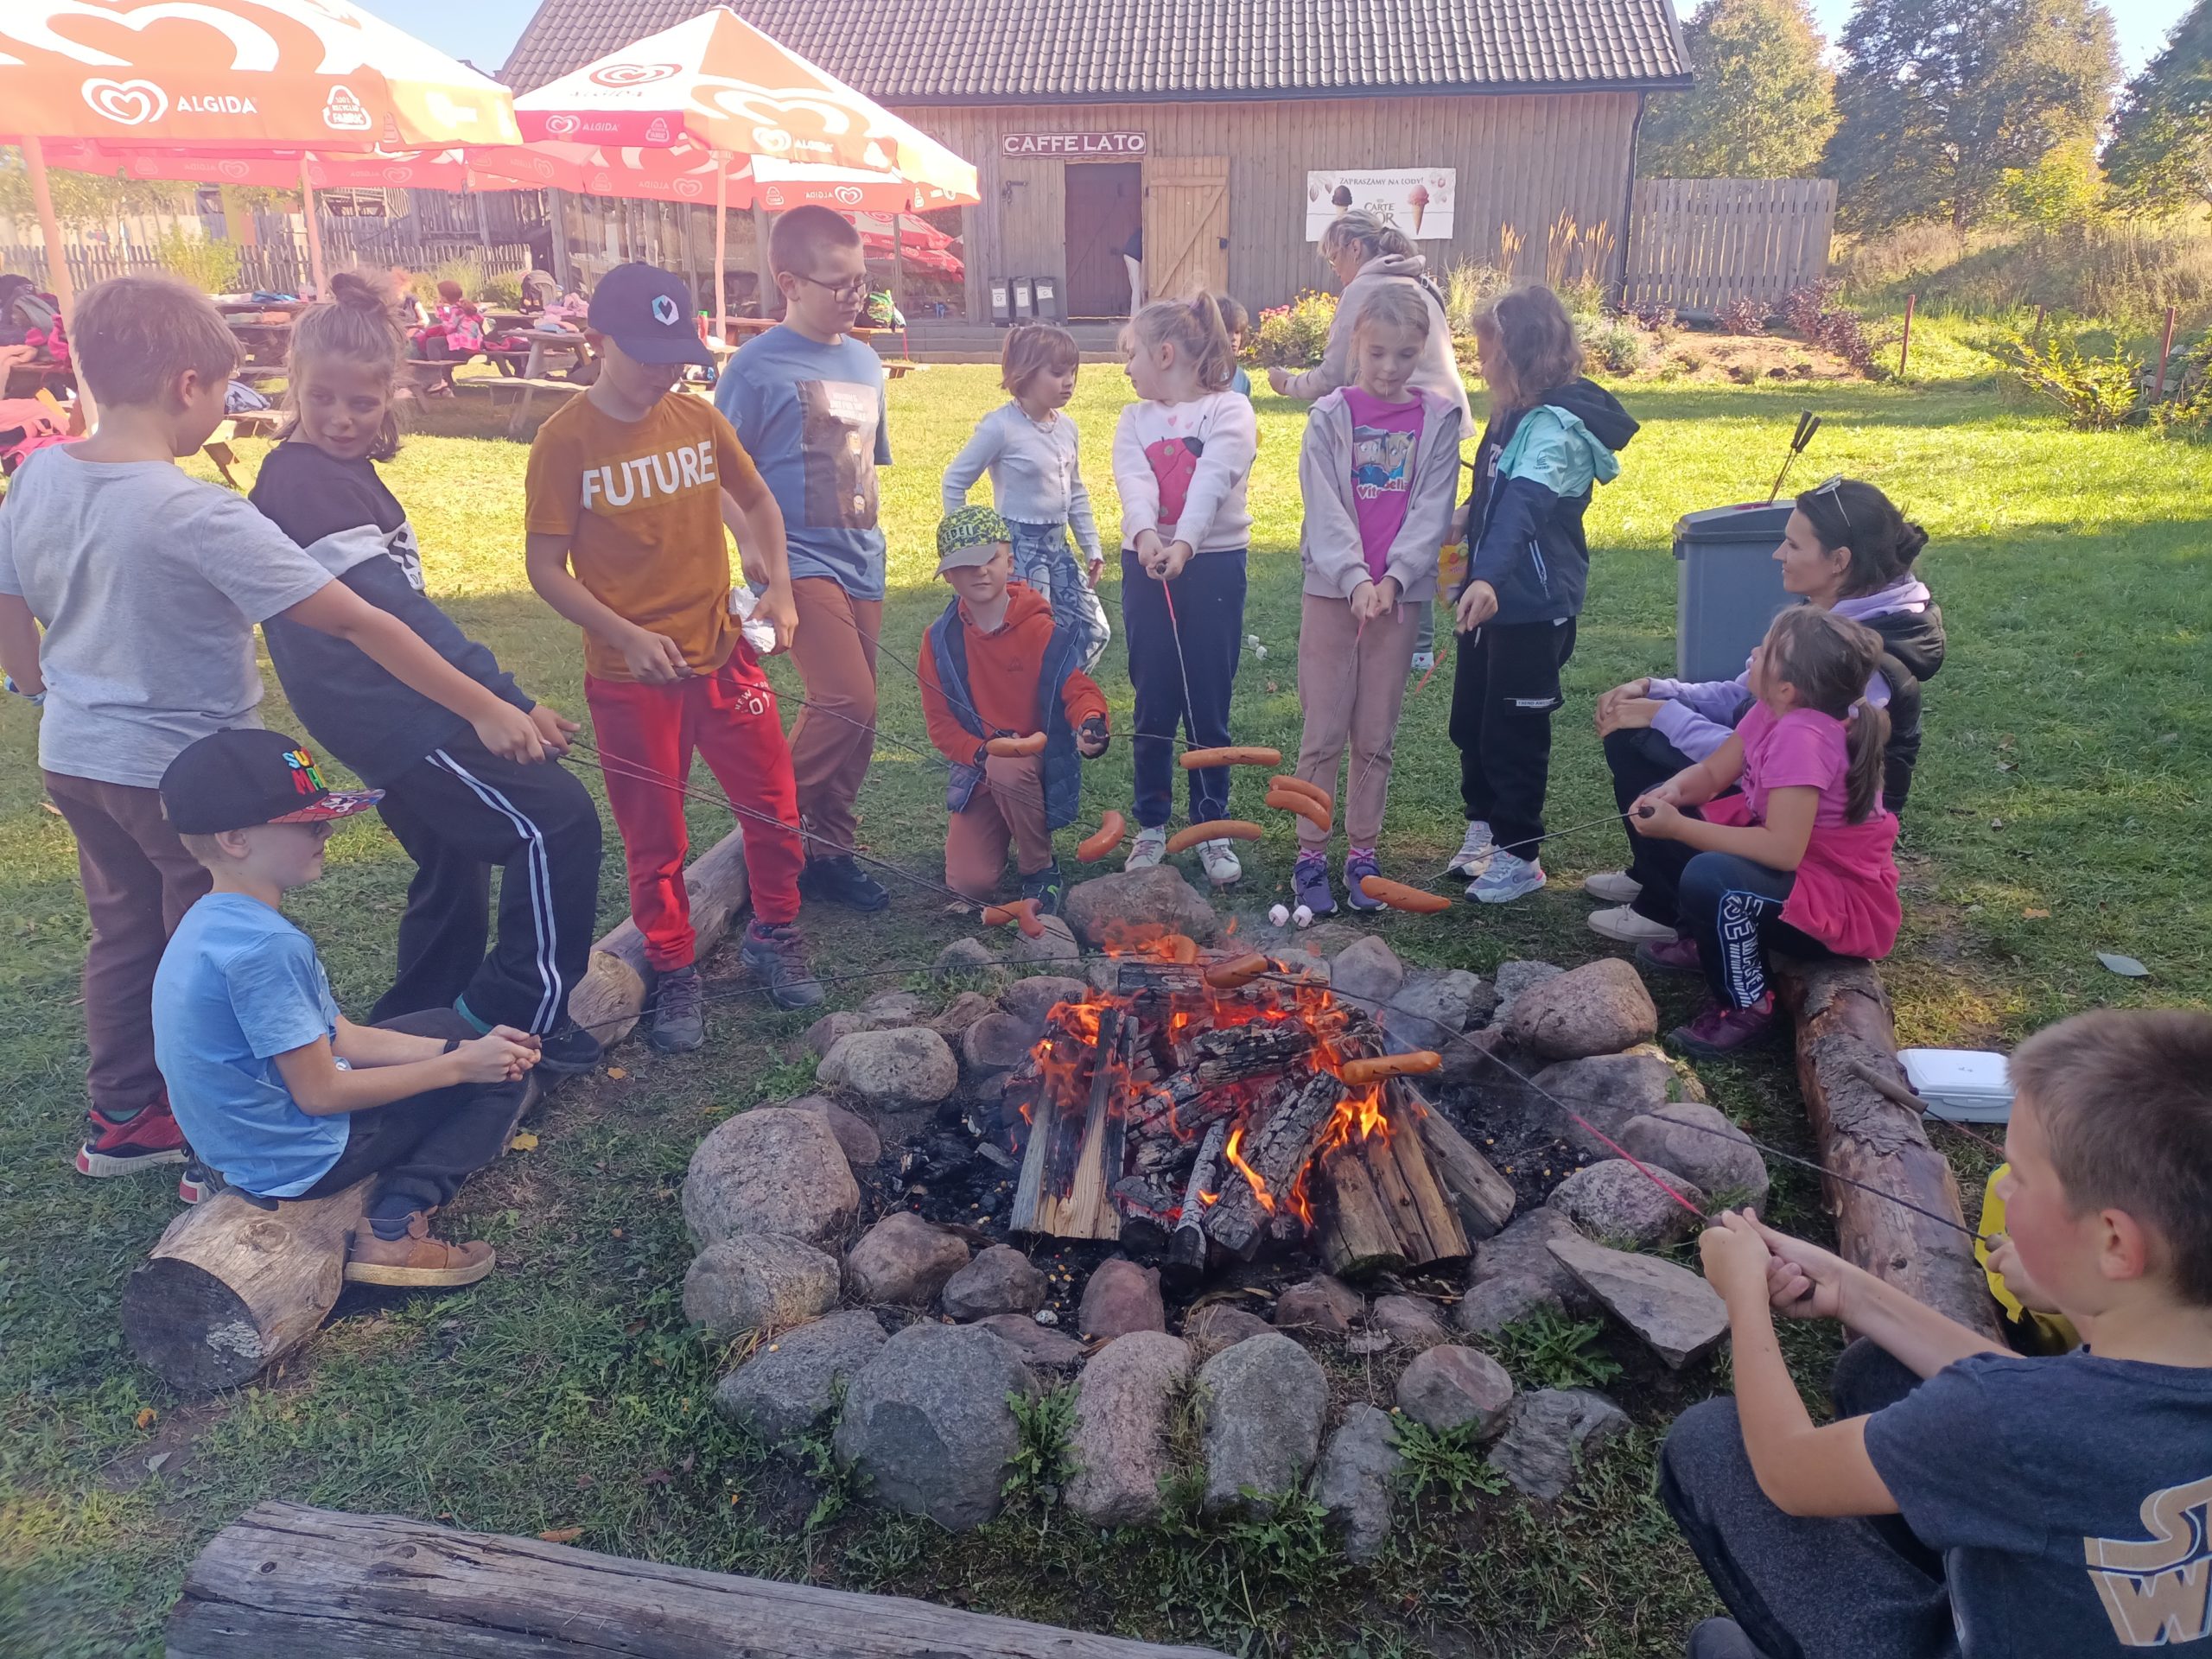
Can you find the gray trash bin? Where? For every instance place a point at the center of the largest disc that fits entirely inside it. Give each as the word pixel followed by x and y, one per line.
pixel 1729 587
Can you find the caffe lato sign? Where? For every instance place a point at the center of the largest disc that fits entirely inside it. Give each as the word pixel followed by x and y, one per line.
pixel 1073 146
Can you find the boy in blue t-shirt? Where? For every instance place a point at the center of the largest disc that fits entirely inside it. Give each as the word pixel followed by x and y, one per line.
pixel 275 1088
pixel 1971 1501
pixel 807 401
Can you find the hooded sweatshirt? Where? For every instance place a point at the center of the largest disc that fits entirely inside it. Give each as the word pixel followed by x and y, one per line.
pixel 1534 475
pixel 1697 716
pixel 1438 372
pixel 1330 543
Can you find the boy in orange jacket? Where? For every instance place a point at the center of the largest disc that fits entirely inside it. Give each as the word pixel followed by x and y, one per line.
pixel 997 665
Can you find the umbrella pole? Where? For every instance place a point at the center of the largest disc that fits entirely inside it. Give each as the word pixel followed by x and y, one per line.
pixel 722 238
pixel 314 233
pixel 57 262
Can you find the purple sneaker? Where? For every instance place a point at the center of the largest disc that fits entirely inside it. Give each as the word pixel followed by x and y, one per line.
pixel 1679 955
pixel 1309 877
pixel 1360 863
pixel 1721 1030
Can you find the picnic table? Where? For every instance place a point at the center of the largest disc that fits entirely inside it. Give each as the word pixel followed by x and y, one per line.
pixel 264 332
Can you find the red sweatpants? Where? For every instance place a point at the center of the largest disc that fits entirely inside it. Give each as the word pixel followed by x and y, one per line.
pixel 729 719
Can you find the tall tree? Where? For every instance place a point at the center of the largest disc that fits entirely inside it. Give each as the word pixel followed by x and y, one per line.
pixel 2161 151
pixel 1942 99
pixel 1764 105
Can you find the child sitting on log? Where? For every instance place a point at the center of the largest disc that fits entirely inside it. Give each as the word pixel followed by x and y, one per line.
pixel 276 1089
pixel 999 664
pixel 1971 1501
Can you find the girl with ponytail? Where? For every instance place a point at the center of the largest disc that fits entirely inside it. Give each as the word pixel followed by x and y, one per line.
pixel 457 806
pixel 1802 860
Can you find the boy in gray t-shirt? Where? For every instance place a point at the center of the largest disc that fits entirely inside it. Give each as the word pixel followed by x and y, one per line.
pixel 148 585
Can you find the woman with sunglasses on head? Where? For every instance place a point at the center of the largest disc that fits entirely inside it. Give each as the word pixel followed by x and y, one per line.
pixel 1848 549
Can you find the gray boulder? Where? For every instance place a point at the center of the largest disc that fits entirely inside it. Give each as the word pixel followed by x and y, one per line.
pixel 1431 1008
pixel 1675 1312
pixel 1550 1429
pixel 771 1170
pixel 1410 1321
pixel 1321 1307
pixel 1450 1387
pixel 758 1282
pixel 1357 1473
pixel 1615 1201
pixel 896 1007
pixel 926 1420
pixel 862 1145
pixel 1222 1324
pixel 1705 1147
pixel 996 1044
pixel 823 1035
pixel 1054 945
pixel 1366 974
pixel 1121 1297
pixel 965 956
pixel 1119 1448
pixel 1608 1090
pixel 963 1011
pixel 908 1066
pixel 1035 997
pixel 1514 977
pixel 789 1385
pixel 1113 909
pixel 1039 1345
pixel 1265 1402
pixel 904 1260
pixel 1514 1274
pixel 1600 1007
pixel 999 1281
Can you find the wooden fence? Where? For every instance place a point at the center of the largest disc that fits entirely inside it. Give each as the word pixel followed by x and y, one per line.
pixel 1699 245
pixel 278 261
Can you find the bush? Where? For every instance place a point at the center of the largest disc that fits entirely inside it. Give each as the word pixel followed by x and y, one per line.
pixel 503 291
pixel 1742 317
pixel 1814 313
pixel 2096 393
pixel 1469 287
pixel 1613 344
pixel 1292 336
pixel 2128 270
pixel 209 263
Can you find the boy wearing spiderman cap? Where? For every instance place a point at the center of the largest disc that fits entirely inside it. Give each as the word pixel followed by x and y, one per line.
pixel 275 1089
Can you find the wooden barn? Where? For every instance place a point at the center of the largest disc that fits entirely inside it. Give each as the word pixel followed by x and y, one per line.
pixel 1230 132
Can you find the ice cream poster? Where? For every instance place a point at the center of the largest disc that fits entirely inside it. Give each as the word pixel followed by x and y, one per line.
pixel 1417 200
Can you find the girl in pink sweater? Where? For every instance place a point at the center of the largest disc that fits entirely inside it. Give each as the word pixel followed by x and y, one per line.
pixel 1801 861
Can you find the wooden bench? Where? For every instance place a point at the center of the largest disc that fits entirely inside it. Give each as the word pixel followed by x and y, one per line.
pixel 287 1579
pixel 523 389
pixel 249 423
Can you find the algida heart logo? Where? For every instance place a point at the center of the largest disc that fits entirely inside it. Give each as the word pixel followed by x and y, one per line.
pixel 133 103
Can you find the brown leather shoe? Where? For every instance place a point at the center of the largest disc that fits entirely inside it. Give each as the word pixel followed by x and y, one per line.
pixel 416 1260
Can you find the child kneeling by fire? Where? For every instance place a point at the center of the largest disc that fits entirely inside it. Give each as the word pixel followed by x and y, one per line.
pixel 273 1087
pixel 996 664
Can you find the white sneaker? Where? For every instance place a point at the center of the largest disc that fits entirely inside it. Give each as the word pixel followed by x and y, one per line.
pixel 1614 886
pixel 1218 860
pixel 1624 926
pixel 1508 877
pixel 1147 849
pixel 1474 852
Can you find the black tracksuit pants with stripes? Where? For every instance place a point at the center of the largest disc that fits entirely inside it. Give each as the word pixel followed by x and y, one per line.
pixel 459 811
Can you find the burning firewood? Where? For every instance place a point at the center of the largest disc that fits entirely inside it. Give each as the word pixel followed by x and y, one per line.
pixel 1268 1160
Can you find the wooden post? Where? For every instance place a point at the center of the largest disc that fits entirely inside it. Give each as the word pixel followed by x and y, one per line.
pixel 2165 352
pixel 612 998
pixel 1843 1022
pixel 1904 350
pixel 556 211
pixel 314 232
pixel 897 263
pixel 722 243
pixel 766 277
pixel 286 1578
pixel 57 264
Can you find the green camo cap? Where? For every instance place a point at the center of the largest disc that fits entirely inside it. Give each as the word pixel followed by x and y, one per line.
pixel 969 537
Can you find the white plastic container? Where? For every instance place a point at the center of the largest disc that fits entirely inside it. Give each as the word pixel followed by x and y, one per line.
pixel 1967 1086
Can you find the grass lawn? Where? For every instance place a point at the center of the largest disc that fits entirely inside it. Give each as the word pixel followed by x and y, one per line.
pixel 2064 781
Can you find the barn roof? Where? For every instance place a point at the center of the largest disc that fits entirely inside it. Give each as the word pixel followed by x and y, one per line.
pixel 1120 51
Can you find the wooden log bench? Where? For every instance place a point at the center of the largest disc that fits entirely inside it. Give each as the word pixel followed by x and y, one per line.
pixel 610 998
pixel 287 1580
pixel 1845 1030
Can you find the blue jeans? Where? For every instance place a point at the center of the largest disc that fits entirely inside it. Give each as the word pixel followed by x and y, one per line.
pixel 1209 623
pixel 1044 558
pixel 1732 907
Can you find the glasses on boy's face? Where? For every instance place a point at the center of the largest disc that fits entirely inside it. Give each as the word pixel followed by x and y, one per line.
pixel 847 292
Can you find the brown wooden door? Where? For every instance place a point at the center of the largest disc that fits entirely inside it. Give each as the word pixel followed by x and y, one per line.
pixel 1105 205
pixel 1185 225
pixel 1032 222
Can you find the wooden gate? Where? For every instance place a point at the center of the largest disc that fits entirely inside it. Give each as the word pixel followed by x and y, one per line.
pixel 1032 220
pixel 1185 225
pixel 1699 245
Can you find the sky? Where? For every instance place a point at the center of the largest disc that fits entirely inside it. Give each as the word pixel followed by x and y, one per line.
pixel 484 31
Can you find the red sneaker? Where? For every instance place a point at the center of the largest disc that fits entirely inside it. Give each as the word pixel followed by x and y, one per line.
pixel 148 1137
pixel 1676 956
pixel 1724 1031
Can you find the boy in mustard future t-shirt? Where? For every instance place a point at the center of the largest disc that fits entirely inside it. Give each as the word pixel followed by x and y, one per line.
pixel 629 490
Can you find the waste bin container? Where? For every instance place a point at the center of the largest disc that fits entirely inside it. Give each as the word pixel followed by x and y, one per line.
pixel 1049 308
pixel 1025 299
pixel 1001 301
pixel 1728 588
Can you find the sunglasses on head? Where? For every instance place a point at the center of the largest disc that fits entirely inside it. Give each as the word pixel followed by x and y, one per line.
pixel 1833 487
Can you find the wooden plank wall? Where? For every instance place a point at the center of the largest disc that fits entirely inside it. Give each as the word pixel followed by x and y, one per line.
pixel 1698 244
pixel 1523 162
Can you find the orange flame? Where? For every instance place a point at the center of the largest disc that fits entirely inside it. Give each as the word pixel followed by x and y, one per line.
pixel 1259 1186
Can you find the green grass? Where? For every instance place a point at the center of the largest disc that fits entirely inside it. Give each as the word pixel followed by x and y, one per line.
pixel 2065 771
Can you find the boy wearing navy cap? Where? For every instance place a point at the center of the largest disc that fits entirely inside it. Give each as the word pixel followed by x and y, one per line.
pixel 629 490
pixel 274 1087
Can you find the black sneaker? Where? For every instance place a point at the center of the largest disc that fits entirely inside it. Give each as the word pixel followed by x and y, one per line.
pixel 1721 1638
pixel 198 1183
pixel 1045 888
pixel 679 1022
pixel 568 1050
pixel 841 880
pixel 775 955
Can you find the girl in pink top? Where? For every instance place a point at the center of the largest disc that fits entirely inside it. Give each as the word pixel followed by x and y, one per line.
pixel 1801 861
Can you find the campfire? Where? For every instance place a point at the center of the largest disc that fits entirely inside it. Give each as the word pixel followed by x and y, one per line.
pixel 1232 1103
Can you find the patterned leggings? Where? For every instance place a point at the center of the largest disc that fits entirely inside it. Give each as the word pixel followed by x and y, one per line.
pixel 1045 558
pixel 1732 907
